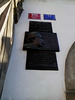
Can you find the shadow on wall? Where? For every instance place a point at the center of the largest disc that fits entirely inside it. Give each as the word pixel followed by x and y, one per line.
pixel 70 96
pixel 5 53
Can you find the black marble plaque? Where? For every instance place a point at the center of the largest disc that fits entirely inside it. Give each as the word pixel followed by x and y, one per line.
pixel 41 41
pixel 35 26
pixel 38 60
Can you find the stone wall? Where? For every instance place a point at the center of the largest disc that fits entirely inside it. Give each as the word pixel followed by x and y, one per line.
pixel 70 74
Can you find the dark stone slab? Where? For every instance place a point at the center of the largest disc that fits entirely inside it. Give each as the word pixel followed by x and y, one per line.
pixel 38 60
pixel 41 41
pixel 35 26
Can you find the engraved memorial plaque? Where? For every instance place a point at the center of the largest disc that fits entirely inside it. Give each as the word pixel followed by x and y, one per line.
pixel 38 60
pixel 41 41
pixel 35 26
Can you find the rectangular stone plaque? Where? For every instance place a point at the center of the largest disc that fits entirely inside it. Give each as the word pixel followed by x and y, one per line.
pixel 35 26
pixel 41 41
pixel 38 60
